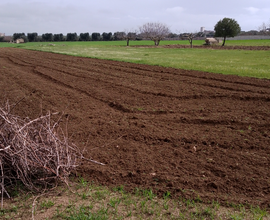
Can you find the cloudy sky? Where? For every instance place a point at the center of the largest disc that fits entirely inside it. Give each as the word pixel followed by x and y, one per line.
pixel 80 16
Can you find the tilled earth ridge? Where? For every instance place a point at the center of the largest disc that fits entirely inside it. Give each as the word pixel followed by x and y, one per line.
pixel 219 47
pixel 194 134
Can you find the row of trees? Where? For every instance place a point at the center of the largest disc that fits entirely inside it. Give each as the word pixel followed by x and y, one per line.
pixel 227 27
pixel 48 37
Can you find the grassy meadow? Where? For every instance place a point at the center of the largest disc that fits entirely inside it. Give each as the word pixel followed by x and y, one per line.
pixel 252 63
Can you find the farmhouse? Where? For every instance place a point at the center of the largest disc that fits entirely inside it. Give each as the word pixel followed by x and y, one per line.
pixel 20 40
pixel 210 41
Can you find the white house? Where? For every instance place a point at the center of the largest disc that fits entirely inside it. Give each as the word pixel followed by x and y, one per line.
pixel 20 40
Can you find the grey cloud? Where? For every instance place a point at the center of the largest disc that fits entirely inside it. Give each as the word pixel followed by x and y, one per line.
pixel 105 15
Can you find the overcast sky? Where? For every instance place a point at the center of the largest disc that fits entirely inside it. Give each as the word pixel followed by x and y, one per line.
pixel 80 16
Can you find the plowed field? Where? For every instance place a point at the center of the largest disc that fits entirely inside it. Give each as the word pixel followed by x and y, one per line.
pixel 187 132
pixel 219 47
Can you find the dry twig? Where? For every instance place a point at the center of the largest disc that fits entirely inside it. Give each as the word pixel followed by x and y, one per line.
pixel 35 152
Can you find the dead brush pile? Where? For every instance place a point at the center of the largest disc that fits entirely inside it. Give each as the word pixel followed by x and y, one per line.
pixel 35 152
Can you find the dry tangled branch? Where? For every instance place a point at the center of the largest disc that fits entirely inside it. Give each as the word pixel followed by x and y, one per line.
pixel 35 152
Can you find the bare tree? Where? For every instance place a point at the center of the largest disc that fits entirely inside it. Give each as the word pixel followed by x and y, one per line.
pixel 126 35
pixel 154 31
pixel 190 37
pixel 265 28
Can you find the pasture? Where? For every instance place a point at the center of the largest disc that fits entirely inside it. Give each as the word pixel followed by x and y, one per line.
pixel 241 62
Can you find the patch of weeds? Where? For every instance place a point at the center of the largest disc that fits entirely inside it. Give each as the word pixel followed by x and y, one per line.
pixel 166 205
pixel 166 195
pixel 258 213
pixel 148 194
pixel 84 212
pixel 83 182
pixel 215 205
pixel 47 204
pixel 129 214
pixel 239 207
pixel 58 214
pixel 143 203
pixel 114 202
pixel 236 216
pixel 128 200
pixel 14 191
pixel 13 209
pixel 137 192
pixel 189 203
pixel 208 213
pixel 100 194
pixel 198 199
pixel 119 189
pixel 84 195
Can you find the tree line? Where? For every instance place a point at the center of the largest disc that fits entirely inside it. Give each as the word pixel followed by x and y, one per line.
pixel 49 37
pixel 227 27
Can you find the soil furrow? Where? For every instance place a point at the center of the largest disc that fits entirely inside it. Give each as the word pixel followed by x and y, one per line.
pixel 201 134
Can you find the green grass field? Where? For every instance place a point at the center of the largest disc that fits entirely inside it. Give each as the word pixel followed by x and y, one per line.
pixel 252 63
pixel 148 42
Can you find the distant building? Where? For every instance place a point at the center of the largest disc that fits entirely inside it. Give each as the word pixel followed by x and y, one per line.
pixel 209 33
pixel 2 34
pixel 211 41
pixel 20 40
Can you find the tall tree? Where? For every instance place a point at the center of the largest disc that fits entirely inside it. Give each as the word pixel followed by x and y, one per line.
pixel 107 36
pixel 72 37
pixel 227 27
pixel 118 35
pixel 47 37
pixel 173 35
pixel 32 37
pixel 58 37
pixel 84 37
pixel 95 36
pixel 154 31
pixel 125 35
pixel 18 35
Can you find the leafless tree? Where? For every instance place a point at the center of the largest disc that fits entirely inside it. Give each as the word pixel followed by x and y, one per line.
pixel 190 37
pixel 265 28
pixel 126 35
pixel 154 31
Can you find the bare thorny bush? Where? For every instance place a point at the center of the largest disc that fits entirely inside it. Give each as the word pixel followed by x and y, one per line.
pixel 34 152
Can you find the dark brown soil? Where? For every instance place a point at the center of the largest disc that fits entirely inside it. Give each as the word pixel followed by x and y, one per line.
pixel 215 47
pixel 187 132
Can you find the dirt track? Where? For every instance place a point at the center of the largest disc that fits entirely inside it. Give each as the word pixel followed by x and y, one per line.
pixel 187 132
